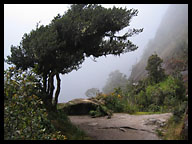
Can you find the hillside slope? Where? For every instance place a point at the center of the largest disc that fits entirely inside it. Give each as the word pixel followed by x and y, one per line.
pixel 170 43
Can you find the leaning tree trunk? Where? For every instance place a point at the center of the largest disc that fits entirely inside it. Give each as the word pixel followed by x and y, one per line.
pixel 49 92
pixel 44 82
pixel 57 91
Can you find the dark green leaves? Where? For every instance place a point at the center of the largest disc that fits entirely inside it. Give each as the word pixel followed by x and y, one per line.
pixel 24 114
pixel 82 31
pixel 154 68
pixel 62 45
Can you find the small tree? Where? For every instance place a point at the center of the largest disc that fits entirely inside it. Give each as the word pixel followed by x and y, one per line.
pixel 92 92
pixel 154 68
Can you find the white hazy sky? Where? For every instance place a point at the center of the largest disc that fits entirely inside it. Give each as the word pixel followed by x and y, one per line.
pixel 22 18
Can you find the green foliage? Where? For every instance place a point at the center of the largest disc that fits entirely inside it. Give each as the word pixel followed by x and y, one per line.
pixel 146 113
pixel 172 130
pixel 130 108
pixel 179 111
pixel 24 114
pixel 114 103
pixel 60 47
pixel 97 112
pixel 163 95
pixel 155 71
pixel 101 110
pixel 156 93
pixel 117 102
pixel 62 123
pixel 154 108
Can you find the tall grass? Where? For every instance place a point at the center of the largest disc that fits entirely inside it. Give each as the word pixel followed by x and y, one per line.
pixel 172 130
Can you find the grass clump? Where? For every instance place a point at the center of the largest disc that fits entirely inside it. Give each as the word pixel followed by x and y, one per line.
pixel 172 130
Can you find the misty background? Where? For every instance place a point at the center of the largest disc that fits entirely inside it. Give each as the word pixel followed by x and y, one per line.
pixel 20 19
pixel 170 42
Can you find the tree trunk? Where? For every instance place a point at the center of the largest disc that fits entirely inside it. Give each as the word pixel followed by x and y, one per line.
pixel 51 85
pixel 50 90
pixel 57 91
pixel 44 82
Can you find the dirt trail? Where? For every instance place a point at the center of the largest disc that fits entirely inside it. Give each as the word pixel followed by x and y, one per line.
pixel 121 126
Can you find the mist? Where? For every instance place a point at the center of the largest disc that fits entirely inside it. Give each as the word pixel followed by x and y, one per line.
pixel 91 74
pixel 94 74
pixel 171 34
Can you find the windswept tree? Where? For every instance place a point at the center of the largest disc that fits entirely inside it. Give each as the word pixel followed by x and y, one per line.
pixel 58 48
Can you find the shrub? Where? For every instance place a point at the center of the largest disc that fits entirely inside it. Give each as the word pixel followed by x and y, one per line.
pixel 24 114
pixel 154 108
pixel 179 111
pixel 130 108
pixel 114 102
pixel 118 102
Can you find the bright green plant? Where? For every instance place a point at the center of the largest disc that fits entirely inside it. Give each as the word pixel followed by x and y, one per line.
pixel 118 102
pixel 162 96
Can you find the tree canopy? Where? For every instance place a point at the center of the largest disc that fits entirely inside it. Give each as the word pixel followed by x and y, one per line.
pixel 60 47
pixel 154 68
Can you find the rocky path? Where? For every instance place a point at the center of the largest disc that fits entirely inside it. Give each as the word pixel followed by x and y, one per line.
pixel 121 126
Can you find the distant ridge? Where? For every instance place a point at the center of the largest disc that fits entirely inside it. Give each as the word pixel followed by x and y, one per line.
pixel 170 43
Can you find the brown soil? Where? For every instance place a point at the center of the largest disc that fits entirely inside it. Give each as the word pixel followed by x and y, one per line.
pixel 120 126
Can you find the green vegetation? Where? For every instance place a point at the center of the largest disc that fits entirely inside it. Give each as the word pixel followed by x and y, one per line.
pixel 155 71
pixel 165 94
pixel 146 113
pixel 101 110
pixel 146 98
pixel 30 108
pixel 172 130
pixel 58 48
pixel 25 116
pixel 62 123
pixel 153 96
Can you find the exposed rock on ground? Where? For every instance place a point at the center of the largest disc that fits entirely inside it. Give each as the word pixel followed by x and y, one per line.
pixel 121 126
pixel 153 121
pixel 80 107
pixel 84 106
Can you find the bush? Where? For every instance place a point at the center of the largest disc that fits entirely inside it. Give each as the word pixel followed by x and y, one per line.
pixel 179 111
pixel 154 108
pixel 24 114
pixel 130 108
pixel 101 110
pixel 118 102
